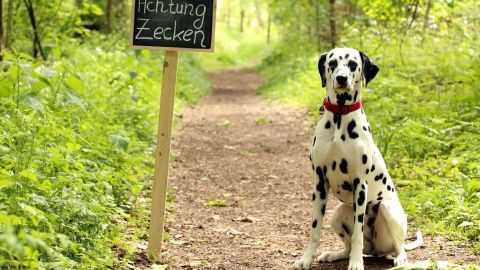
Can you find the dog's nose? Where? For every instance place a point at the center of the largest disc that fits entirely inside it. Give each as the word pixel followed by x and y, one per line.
pixel 342 80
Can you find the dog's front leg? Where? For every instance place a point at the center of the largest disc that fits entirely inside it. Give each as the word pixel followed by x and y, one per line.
pixel 319 197
pixel 360 191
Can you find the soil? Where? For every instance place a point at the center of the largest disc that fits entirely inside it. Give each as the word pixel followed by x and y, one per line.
pixel 242 186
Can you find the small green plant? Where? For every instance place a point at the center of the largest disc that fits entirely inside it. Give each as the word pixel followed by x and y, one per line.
pixel 212 202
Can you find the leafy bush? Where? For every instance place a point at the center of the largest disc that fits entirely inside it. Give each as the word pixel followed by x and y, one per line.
pixel 76 150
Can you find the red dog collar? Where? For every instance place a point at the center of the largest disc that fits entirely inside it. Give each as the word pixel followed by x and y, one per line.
pixel 345 109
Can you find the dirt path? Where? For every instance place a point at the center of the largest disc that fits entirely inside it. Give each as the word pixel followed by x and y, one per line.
pixel 239 148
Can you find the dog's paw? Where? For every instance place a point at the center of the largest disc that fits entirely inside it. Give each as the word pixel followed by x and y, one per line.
pixel 401 259
pixel 333 256
pixel 355 264
pixel 303 263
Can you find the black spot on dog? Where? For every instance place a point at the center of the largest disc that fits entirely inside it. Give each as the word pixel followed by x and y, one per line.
pixel 370 222
pixel 375 207
pixel 314 140
pixel 373 168
pixel 344 166
pixel 321 189
pixel 321 184
pixel 393 189
pixel 355 96
pixel 347 186
pixel 341 235
pixel 313 167
pixel 320 174
pixel 380 198
pixel 364 159
pixel 354 207
pixel 323 209
pixel 365 128
pixel 378 177
pixel 350 128
pixel 330 56
pixel 363 186
pixel 384 180
pixel 334 165
pixel 337 119
pixel 367 209
pixel 313 196
pixel 361 197
pixel 379 194
pixel 332 65
pixel 314 224
pixel 369 129
pixel 343 137
pixel 328 125
pixel 360 218
pixel 345 228
pixel 325 170
pixel 310 156
pixel 356 181
pixel 341 57
pixel 367 171
pixel 346 56
pixel 389 188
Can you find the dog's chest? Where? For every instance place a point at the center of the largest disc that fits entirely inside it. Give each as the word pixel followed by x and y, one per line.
pixel 342 151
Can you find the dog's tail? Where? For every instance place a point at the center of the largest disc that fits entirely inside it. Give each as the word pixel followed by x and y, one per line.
pixel 415 244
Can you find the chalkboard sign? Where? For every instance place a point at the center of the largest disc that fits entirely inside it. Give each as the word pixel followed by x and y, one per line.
pixel 174 25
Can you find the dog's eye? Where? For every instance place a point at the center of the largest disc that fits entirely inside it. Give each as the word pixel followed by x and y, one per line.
pixel 332 64
pixel 352 65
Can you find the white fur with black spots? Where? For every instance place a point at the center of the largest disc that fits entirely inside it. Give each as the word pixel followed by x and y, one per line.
pixel 345 160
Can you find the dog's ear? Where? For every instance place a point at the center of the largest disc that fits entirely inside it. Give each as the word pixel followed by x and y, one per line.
pixel 321 69
pixel 370 69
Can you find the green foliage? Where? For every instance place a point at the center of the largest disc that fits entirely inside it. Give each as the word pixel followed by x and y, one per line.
pixel 235 49
pixel 76 151
pixel 423 106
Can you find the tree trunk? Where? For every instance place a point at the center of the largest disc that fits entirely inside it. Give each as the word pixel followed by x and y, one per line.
pixel 1 30
pixel 258 11
pixel 242 17
pixel 333 27
pixel 107 27
pixel 37 45
pixel 427 15
pixel 317 23
pixel 414 14
pixel 8 34
pixel 269 26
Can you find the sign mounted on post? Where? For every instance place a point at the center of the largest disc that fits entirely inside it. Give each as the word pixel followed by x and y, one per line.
pixel 170 25
pixel 175 25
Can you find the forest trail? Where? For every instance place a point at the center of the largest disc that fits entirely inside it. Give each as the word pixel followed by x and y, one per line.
pixel 237 148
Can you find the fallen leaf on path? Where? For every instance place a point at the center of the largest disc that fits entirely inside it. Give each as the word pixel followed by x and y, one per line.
pixel 226 123
pixel 230 147
pixel 247 219
pixel 235 232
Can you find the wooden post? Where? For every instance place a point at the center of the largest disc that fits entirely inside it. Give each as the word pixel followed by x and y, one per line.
pixel 162 154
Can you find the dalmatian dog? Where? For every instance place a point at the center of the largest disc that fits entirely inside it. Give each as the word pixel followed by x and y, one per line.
pixel 345 160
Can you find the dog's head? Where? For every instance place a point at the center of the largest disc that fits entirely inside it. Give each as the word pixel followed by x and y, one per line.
pixel 342 69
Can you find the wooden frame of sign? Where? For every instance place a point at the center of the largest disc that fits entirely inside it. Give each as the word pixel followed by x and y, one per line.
pixel 135 45
pixel 147 33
